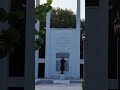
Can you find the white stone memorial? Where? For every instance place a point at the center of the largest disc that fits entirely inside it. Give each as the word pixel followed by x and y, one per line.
pixel 62 42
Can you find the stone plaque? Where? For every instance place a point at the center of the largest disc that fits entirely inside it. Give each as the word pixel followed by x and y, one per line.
pixel 63 44
pixel 58 65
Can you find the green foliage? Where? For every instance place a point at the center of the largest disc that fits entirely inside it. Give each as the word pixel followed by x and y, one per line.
pixel 11 17
pixel 61 18
pixel 40 15
pixel 9 36
pixel 41 10
pixel 83 85
pixel 39 40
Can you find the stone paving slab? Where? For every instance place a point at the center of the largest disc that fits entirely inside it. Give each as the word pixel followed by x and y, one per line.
pixel 58 87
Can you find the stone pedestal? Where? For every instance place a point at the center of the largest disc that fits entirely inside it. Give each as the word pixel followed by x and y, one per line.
pixel 61 81
pixel 62 76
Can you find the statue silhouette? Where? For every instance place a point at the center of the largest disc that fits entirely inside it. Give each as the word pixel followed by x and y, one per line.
pixel 62 67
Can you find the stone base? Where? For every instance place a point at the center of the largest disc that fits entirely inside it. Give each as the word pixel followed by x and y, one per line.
pixel 61 81
pixel 62 76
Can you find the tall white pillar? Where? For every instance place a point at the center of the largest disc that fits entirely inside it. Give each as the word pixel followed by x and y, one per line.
pixel 47 45
pixel 77 57
pixel 78 16
pixel 37 27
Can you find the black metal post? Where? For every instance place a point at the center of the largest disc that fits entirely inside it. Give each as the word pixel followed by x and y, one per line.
pixel 117 63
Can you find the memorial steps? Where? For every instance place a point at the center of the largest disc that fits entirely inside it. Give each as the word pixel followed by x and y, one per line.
pixel 56 81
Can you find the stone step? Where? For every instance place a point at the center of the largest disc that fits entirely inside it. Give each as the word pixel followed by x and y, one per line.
pixel 75 81
pixel 48 81
pixel 61 81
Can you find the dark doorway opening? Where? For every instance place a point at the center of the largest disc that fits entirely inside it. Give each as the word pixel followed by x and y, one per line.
pixel 81 70
pixel 41 70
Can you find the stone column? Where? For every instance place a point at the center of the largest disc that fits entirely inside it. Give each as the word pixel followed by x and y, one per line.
pixel 78 16
pixel 37 27
pixel 77 56
pixel 47 45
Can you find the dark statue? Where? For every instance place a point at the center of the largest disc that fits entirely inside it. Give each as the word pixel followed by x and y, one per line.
pixel 62 67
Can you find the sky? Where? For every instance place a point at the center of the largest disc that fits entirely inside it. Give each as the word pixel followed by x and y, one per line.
pixel 69 4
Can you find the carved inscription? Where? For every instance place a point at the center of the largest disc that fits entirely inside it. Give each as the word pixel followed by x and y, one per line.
pixel 63 44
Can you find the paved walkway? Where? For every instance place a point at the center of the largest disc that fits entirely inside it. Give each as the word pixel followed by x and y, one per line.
pixel 71 86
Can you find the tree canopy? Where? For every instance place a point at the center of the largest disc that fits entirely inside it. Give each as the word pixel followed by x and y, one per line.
pixel 63 18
